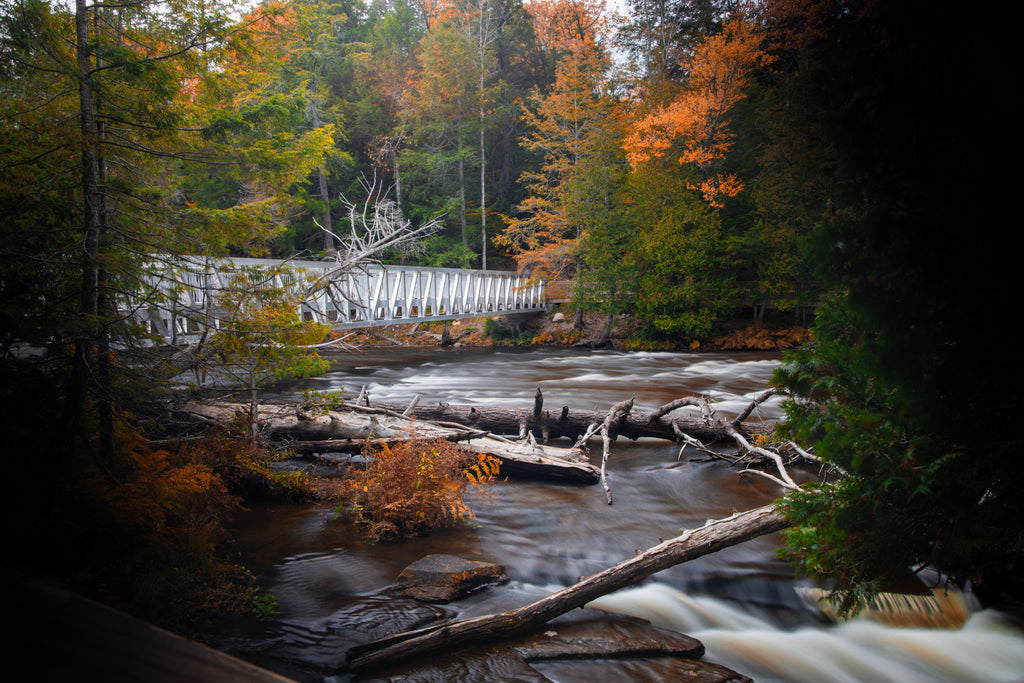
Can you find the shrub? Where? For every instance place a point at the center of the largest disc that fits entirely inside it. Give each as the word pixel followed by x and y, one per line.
pixel 501 333
pixel 415 488
pixel 245 466
pixel 146 535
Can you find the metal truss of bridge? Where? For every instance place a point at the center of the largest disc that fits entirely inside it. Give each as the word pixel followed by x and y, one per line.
pixel 183 297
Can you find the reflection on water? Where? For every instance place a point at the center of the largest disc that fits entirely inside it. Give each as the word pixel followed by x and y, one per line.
pixel 740 602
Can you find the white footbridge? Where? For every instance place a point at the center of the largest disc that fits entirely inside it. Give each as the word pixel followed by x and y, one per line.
pixel 182 299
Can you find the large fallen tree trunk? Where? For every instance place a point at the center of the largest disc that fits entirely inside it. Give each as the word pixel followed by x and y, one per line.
pixel 572 424
pixel 711 537
pixel 353 430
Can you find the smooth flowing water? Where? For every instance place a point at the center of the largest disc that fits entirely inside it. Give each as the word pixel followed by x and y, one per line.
pixel 741 602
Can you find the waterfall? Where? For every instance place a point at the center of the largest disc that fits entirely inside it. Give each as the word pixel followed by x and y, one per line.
pixel 984 650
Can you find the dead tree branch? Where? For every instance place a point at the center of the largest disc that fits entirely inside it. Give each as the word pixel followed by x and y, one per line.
pixel 710 538
pixel 618 413
pixel 758 400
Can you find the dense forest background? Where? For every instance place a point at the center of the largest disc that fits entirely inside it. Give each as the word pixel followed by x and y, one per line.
pixel 681 162
pixel 667 161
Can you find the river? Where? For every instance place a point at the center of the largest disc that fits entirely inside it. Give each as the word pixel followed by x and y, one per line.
pixel 741 602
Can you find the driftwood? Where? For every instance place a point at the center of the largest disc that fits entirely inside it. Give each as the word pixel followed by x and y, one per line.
pixel 479 429
pixel 712 537
pixel 351 430
pixel 618 413
pixel 546 425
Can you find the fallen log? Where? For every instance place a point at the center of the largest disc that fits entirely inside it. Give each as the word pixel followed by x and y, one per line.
pixel 349 431
pixel 691 544
pixel 546 425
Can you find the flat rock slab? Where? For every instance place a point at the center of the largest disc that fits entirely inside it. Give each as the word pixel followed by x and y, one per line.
pixel 444 578
pixel 595 634
pixel 498 664
pixel 578 646
pixel 640 671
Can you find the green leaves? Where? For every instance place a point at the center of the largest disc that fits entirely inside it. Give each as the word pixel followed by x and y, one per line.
pixel 261 335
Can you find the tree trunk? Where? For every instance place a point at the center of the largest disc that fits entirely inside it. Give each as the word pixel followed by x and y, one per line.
pixel 759 311
pixel 78 381
pixel 328 223
pixel 314 106
pixel 483 178
pixel 398 182
pixel 711 537
pixel 462 202
pixel 571 424
pixel 606 332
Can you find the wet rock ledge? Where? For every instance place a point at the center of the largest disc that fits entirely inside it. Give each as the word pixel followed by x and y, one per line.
pixel 570 645
pixel 586 644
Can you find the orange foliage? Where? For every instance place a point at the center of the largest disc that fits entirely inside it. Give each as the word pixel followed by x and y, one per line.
pixel 571 26
pixel 416 487
pixel 569 125
pixel 719 71
pixel 436 12
pixel 761 338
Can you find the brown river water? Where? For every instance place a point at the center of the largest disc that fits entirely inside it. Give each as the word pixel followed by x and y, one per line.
pixel 741 603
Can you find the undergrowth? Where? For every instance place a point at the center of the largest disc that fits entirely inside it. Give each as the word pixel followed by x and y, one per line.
pixel 246 465
pixel 415 487
pixel 147 533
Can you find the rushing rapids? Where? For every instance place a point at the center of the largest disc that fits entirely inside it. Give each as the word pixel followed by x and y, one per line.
pixel 742 603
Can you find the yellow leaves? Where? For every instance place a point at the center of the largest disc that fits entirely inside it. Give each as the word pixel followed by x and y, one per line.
pixel 483 471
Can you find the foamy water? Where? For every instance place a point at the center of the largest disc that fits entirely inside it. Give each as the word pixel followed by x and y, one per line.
pixel 985 650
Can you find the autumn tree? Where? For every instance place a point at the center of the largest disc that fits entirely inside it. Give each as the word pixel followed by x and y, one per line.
pixel 94 130
pixel 440 123
pixel 262 336
pixel 481 22
pixel 394 40
pixel 688 257
pixel 569 130
pixel 117 72
pixel 717 74
pixel 263 115
pixel 660 34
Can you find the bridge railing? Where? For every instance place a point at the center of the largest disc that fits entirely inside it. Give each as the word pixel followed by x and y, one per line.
pixel 181 301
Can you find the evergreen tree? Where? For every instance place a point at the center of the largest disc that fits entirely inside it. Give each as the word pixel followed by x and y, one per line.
pixel 900 389
pixel 116 72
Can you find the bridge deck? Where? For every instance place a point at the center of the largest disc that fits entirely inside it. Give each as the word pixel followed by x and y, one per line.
pixel 183 299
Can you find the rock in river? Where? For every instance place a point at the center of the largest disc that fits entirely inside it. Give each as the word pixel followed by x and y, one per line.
pixel 443 578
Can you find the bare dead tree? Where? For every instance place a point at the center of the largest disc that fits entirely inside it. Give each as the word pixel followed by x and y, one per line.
pixel 376 225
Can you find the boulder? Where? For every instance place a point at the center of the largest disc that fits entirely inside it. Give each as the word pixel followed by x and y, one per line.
pixel 558 318
pixel 444 578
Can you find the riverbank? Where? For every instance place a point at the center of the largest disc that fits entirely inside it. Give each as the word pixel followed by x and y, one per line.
pixel 556 328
